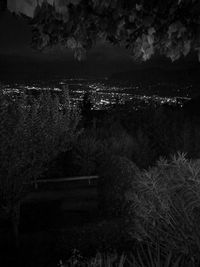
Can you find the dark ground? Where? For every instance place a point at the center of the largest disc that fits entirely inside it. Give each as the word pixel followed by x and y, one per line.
pixel 54 221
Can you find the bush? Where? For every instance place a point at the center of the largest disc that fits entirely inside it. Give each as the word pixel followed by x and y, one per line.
pixel 116 176
pixel 120 144
pixel 86 153
pixel 115 139
pixel 144 153
pixel 142 257
pixel 166 205
pixel 96 144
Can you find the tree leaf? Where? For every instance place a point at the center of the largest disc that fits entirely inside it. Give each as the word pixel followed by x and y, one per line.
pixel 198 52
pixel 151 31
pixel 80 54
pixel 71 43
pixel 170 23
pixel 186 47
pixel 138 7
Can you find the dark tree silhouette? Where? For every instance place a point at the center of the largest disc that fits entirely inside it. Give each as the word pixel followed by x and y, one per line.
pixel 31 136
pixel 86 106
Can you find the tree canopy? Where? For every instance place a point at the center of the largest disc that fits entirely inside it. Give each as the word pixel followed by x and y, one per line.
pixel 144 27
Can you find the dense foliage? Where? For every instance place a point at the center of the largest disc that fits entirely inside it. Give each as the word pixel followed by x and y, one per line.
pixel 86 153
pixel 166 204
pixel 163 218
pixel 32 133
pixel 141 259
pixel 143 27
pixel 116 177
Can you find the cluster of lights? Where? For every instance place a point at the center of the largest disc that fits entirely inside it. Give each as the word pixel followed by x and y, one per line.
pixel 102 95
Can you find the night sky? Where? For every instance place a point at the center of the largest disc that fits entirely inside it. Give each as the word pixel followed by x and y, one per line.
pixel 17 56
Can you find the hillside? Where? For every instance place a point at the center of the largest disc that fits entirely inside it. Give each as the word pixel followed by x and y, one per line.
pixel 155 75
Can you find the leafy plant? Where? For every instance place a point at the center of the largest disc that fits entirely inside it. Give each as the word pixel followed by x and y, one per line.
pixel 143 257
pixel 86 153
pixel 115 139
pixel 116 176
pixel 147 256
pixel 166 204
pixel 143 152
pixel 100 260
pixel 143 27
pixel 120 144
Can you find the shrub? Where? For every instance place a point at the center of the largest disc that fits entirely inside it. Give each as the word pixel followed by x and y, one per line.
pixel 120 143
pixel 96 144
pixel 166 205
pixel 116 176
pixel 86 153
pixel 115 139
pixel 142 257
pixel 144 153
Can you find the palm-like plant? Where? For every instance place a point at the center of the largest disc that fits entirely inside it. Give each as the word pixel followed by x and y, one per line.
pixel 166 205
pixel 144 256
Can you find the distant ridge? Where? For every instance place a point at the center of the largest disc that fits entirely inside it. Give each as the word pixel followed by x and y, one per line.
pixel 160 75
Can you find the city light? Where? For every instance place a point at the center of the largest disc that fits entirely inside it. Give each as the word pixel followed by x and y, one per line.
pixel 104 95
